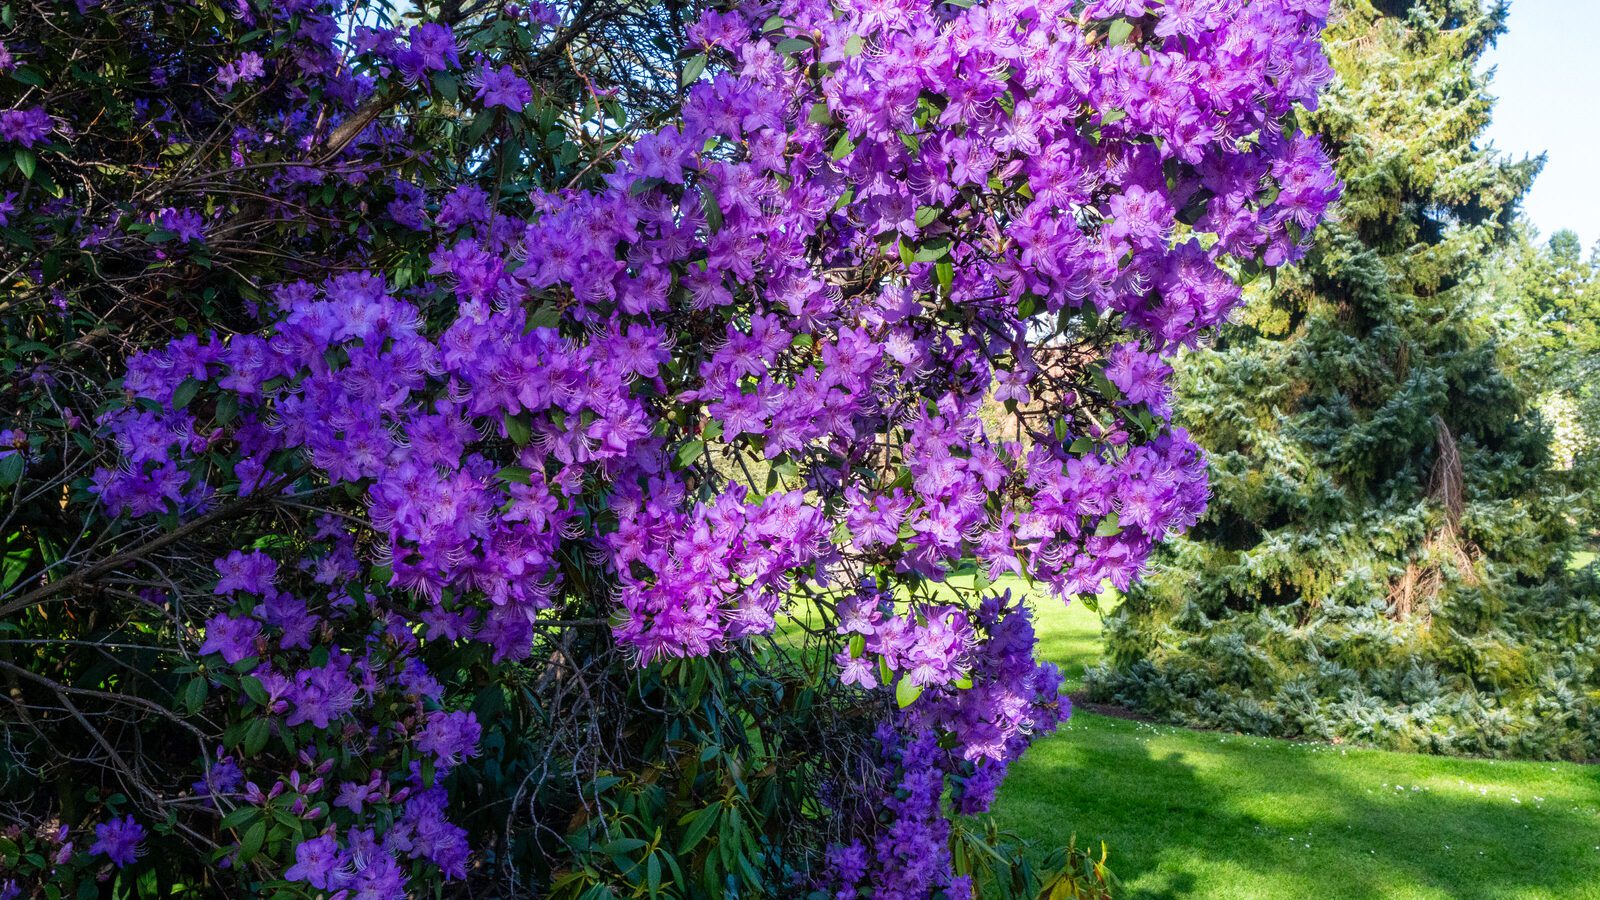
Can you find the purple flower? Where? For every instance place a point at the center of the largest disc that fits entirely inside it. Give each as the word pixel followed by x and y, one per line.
pixel 223 777
pixel 406 209
pixel 25 126
pixel 118 840
pixel 320 695
pixel 430 835
pixel 234 638
pixel 541 13
pixel 858 671
pixel 450 736
pixel 247 68
pixel 1141 377
pixel 319 863
pixel 435 46
pixel 502 87
pixel 185 224
pixel 382 879
pixel 250 572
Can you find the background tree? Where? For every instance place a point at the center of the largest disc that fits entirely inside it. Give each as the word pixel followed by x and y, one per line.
pixel 1546 305
pixel 1384 559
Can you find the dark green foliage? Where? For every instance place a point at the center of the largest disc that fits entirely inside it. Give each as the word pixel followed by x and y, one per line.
pixel 1547 306
pixel 1385 559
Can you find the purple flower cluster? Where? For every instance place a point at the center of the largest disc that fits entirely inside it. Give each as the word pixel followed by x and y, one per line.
pixel 247 68
pixel 382 702
pixel 852 238
pixel 118 840
pixel 25 126
pixel 910 858
pixel 502 87
pixel 427 48
pixel 955 741
pixel 364 865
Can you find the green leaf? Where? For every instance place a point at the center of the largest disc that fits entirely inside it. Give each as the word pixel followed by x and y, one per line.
pixel 792 45
pixel 713 211
pixel 13 564
pixel 11 469
pixel 194 695
pixel 447 86
pixel 255 736
pixel 932 251
pixel 843 146
pixel 26 161
pixel 692 69
pixel 906 693
pixel 1103 384
pixel 548 315
pixel 820 115
pixel 480 126
pixel 689 452
pixel 704 820
pixel 1119 32
pixel 926 215
pixel 253 839
pixel 946 273
pixel 185 392
pixel 255 690
pixel 515 474
pixel 621 845
pixel 518 430
pixel 1110 526
pixel 240 816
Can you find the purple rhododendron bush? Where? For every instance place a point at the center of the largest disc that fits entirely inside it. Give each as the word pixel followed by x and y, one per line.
pixel 501 450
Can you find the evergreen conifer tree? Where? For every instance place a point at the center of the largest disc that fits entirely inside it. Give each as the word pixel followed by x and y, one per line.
pixel 1547 309
pixel 1385 557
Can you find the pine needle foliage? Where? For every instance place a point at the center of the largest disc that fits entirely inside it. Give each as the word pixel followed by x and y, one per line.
pixel 1385 560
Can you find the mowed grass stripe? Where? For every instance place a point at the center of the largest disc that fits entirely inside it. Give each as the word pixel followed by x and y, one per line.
pixel 1205 814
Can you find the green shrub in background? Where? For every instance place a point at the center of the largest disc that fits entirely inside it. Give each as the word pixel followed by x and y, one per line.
pixel 1386 555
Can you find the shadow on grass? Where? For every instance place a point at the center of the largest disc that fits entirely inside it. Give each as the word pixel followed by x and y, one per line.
pixel 1189 814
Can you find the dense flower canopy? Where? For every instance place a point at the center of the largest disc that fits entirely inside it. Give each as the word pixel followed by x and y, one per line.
pixel 744 378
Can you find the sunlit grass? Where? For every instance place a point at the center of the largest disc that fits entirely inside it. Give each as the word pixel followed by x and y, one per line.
pixel 1205 814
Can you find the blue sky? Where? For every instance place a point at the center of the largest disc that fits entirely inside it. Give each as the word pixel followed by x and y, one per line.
pixel 1548 82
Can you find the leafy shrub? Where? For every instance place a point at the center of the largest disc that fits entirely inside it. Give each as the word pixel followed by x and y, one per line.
pixel 436 417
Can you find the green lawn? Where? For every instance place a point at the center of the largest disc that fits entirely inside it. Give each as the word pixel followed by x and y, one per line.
pixel 1203 814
